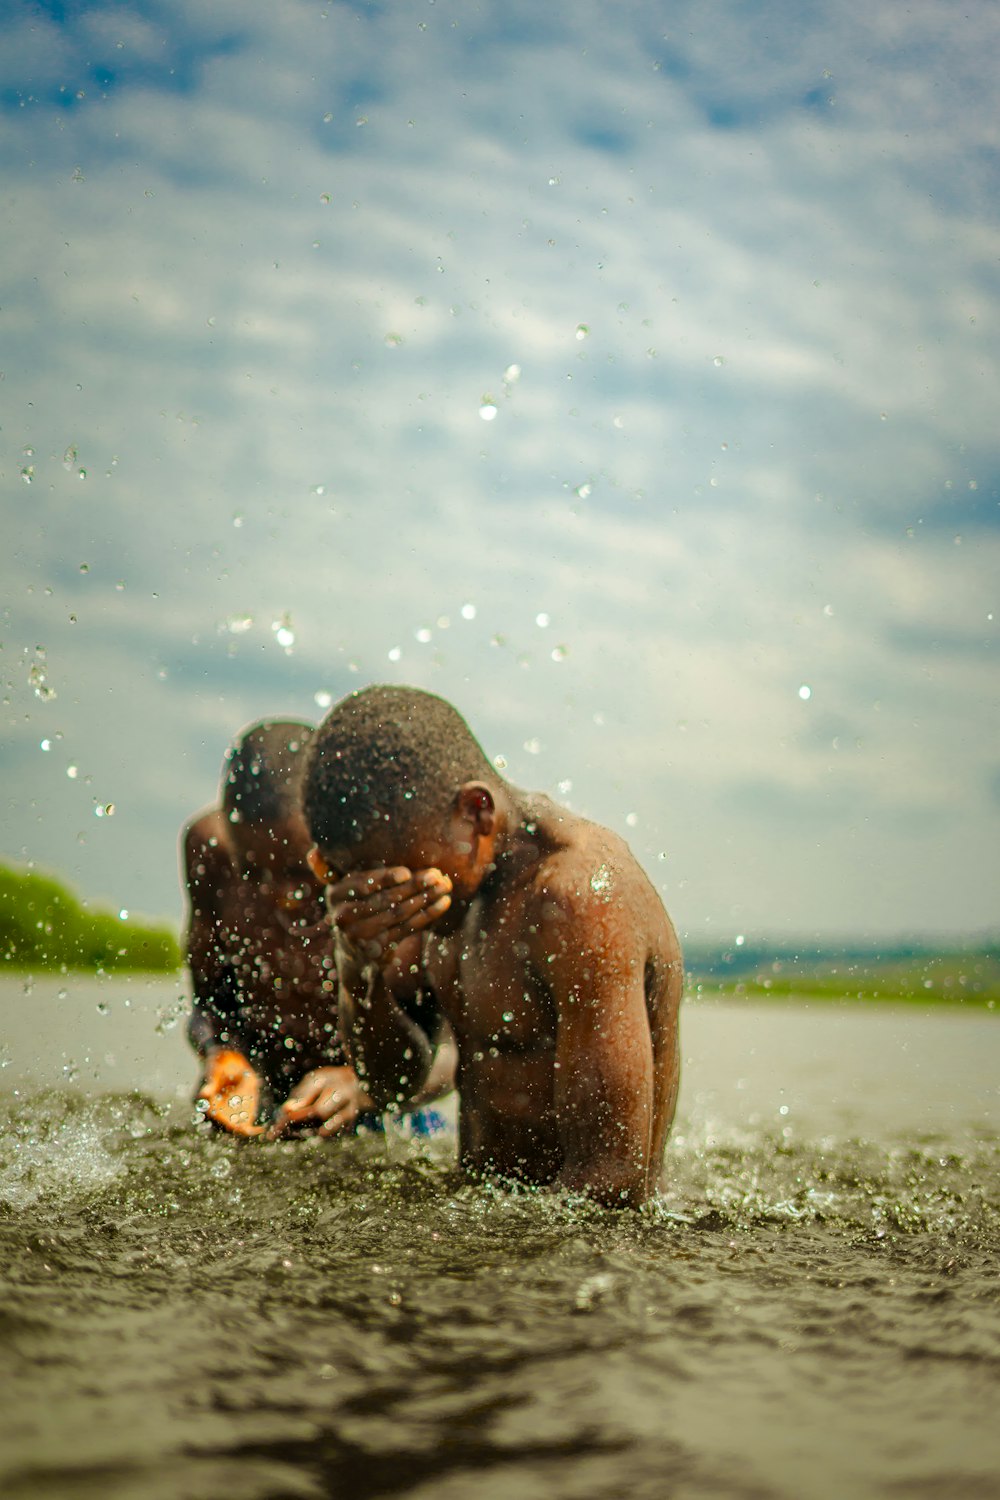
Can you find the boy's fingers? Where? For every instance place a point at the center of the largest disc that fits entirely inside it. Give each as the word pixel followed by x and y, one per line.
pixel 221 1113
pixel 367 883
pixel 376 936
pixel 400 899
pixel 372 923
pixel 337 1122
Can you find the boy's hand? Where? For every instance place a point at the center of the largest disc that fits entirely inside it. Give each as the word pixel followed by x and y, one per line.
pixel 333 1097
pixel 374 910
pixel 232 1092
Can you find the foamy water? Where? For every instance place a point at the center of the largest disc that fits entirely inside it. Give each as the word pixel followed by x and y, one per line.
pixel 810 1309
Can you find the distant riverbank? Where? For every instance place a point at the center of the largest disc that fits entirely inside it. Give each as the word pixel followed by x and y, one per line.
pixel 44 927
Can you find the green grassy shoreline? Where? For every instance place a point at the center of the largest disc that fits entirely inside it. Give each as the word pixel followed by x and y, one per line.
pixel 810 992
pixel 45 928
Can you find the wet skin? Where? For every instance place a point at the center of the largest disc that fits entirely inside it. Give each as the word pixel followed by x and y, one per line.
pixel 556 965
pixel 257 919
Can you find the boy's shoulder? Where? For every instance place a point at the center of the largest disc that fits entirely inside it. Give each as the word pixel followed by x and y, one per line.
pixel 587 870
pixel 205 840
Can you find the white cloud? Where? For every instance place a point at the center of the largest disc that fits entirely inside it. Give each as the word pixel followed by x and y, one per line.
pixel 276 400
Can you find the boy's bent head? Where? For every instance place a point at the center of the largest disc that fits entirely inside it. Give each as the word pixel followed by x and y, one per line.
pixel 262 773
pixel 383 771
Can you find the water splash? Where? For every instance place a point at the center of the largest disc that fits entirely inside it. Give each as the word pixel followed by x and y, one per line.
pixel 284 632
pixel 38 677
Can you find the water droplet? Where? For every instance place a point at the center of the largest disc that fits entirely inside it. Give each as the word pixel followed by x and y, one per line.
pixel 600 881
pixel 238 624
pixel 632 819
pixel 38 679
pixel 500 761
pixel 468 612
pixel 325 198
pixel 508 1016
pixel 62 994
pixel 85 567
pixel 45 744
pixel 69 458
pixel 582 331
pixel 393 340
pixel 533 746
pixel 423 635
pixel 284 632
pixel 72 772
pixel 559 653
pixel 512 374
pixel 322 699
pixel 805 691
pixel 487 408
pixel 361 120
pixel 719 361
pixel 543 621
pixel 237 521
pixel 28 473
pixel 123 914
pixel 583 491
pixel 395 653
pixel 102 1007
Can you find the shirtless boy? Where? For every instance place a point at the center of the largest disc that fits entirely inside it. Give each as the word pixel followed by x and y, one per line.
pixel 533 929
pixel 259 948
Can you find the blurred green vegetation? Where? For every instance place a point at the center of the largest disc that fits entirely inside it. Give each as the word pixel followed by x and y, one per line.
pixel 966 976
pixel 44 926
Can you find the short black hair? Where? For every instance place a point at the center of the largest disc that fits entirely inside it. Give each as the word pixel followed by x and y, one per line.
pixel 262 772
pixel 392 755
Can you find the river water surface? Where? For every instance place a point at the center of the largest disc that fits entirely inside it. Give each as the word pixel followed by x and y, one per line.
pixel 811 1309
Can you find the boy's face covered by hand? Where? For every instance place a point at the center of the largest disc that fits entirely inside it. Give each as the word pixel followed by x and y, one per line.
pixel 392 886
pixel 374 910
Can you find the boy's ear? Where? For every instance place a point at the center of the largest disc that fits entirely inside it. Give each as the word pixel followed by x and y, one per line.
pixel 475 801
pixel 318 864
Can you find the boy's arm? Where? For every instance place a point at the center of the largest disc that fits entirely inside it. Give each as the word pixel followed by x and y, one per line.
pixel 392 1053
pixel 376 918
pixel 604 1075
pixel 230 1087
pixel 215 993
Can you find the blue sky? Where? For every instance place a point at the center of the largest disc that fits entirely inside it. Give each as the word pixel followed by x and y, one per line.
pixel 633 385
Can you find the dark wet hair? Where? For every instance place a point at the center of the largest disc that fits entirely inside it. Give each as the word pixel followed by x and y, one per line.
pixel 387 754
pixel 262 772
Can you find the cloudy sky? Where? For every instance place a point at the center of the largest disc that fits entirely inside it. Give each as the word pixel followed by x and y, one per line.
pixel 626 374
